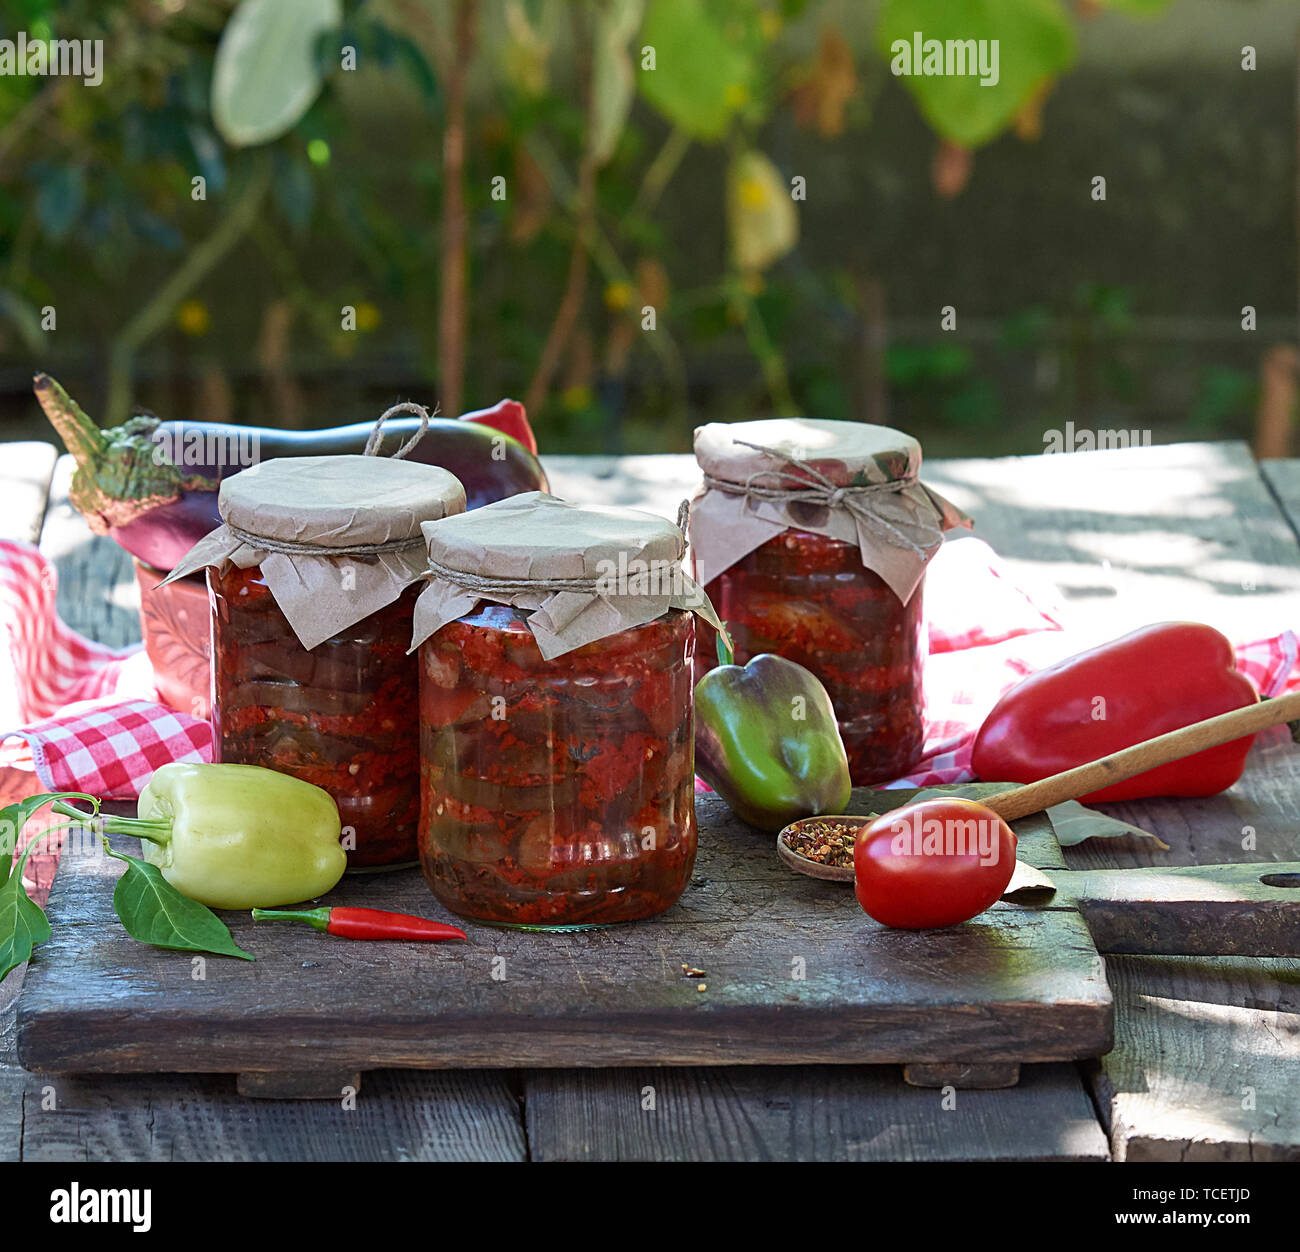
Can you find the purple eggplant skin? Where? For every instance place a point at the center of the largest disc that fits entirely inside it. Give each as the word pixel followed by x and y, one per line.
pixel 167 532
pixel 152 485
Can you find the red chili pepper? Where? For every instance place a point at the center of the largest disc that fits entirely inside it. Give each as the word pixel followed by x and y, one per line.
pixel 1157 679
pixel 364 923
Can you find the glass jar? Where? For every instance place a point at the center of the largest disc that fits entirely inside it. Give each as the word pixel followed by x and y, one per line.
pixel 808 598
pixel 343 715
pixel 557 794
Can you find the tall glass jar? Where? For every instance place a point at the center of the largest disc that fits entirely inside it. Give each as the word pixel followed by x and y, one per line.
pixel 557 793
pixel 343 715
pixel 312 580
pixel 808 598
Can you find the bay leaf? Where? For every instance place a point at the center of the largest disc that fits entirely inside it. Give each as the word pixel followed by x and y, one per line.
pixel 1075 822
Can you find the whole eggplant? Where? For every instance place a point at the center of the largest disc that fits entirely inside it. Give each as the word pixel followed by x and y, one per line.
pixel 152 484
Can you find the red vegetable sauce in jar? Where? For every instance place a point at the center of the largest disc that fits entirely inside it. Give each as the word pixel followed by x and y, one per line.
pixel 557 792
pixel 557 741
pixel 343 715
pixel 312 583
pixel 790 514
pixel 807 598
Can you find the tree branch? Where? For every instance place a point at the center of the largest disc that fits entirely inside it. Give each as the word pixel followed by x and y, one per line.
pixel 575 287
pixel 154 314
pixel 455 218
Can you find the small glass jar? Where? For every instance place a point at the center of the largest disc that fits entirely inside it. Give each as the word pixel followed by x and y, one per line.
pixel 343 715
pixel 808 598
pixel 557 794
pixel 812 538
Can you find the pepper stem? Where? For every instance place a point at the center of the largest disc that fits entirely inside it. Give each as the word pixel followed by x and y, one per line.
pixel 726 649
pixel 150 829
pixel 320 918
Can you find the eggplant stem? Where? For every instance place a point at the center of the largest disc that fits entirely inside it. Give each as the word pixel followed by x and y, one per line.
pixel 82 437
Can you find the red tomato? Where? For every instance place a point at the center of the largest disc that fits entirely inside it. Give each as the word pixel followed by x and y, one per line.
pixel 936 863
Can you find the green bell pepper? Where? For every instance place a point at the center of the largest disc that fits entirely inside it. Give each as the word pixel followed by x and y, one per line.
pixel 767 742
pixel 237 836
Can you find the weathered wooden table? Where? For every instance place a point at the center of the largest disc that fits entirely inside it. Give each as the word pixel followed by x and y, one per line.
pixel 1206 1063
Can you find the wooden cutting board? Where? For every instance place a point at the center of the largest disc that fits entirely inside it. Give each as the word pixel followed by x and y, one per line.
pixel 794 973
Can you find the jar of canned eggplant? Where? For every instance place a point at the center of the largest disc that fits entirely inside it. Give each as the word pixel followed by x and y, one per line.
pixel 812 539
pixel 556 734
pixel 312 583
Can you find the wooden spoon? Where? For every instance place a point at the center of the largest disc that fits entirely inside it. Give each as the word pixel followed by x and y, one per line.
pixel 1070 784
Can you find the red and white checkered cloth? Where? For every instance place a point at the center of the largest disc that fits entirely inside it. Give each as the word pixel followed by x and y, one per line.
pixel 82 716
pixel 86 718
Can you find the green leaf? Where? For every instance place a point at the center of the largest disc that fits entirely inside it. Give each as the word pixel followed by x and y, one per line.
pixel 761 216
pixel 524 53
pixel 613 80
pixel 153 911
pixel 266 73
pixel 701 78
pixel 1035 43
pixel 23 924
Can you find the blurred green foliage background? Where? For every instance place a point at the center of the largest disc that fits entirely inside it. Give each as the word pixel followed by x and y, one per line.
pixel 455 200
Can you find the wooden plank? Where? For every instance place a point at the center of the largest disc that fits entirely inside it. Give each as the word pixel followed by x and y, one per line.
pixel 400 1116
pixel 1139 535
pixel 1283 480
pixel 808 1113
pixel 1189 910
pixel 1189 531
pixel 1206 1065
pixel 13 1079
pixel 659 492
pixel 97 590
pixel 794 974
pixel 25 471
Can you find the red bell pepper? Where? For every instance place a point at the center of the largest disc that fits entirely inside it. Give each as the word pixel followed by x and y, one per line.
pixel 1157 679
pixel 508 416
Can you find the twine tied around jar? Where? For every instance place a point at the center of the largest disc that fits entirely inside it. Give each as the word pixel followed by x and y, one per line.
pixel 320 549
pixel 811 486
pixel 404 406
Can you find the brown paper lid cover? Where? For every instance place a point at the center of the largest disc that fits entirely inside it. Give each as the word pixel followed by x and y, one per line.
pixel 338 501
